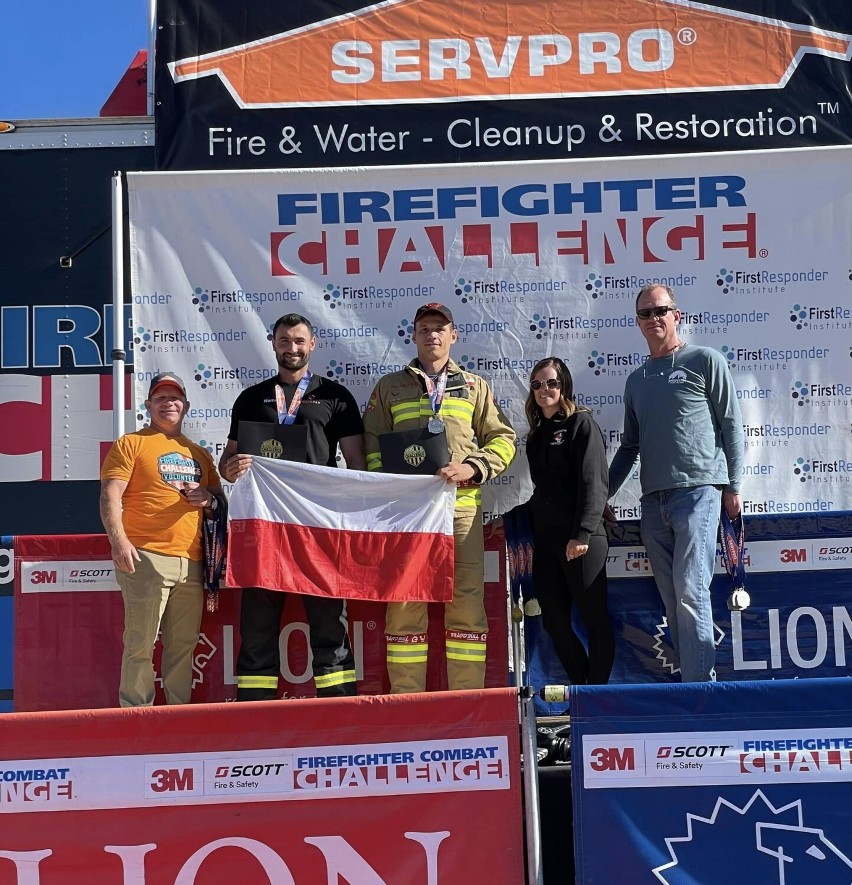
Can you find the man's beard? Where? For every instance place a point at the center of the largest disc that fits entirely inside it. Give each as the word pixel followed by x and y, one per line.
pixel 287 361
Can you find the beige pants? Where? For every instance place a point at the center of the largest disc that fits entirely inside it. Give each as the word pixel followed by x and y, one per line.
pixel 166 594
pixel 465 623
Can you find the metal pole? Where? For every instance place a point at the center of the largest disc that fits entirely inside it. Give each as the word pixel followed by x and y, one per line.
pixel 532 819
pixel 152 40
pixel 529 747
pixel 517 646
pixel 118 354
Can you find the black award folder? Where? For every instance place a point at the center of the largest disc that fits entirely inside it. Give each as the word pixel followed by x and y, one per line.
pixel 287 442
pixel 414 451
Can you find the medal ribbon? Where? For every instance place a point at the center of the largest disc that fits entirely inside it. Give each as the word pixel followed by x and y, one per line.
pixel 437 388
pixel 214 537
pixel 733 548
pixel 285 415
pixel 519 544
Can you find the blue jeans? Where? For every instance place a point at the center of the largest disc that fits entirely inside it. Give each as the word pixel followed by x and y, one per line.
pixel 679 529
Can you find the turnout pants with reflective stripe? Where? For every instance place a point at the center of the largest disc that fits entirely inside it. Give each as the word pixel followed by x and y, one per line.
pixel 259 660
pixel 465 624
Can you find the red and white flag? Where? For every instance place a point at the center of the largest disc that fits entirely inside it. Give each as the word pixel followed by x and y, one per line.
pixel 350 534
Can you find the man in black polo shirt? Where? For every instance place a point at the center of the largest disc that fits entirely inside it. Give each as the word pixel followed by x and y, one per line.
pixel 331 415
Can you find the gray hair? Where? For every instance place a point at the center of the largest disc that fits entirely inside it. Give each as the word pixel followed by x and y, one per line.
pixel 649 287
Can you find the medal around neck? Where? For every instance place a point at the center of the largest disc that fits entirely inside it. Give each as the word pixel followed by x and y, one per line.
pixel 435 425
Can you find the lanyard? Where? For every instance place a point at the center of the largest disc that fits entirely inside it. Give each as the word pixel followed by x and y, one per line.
pixel 437 388
pixel 519 545
pixel 733 549
pixel 732 534
pixel 285 415
pixel 214 534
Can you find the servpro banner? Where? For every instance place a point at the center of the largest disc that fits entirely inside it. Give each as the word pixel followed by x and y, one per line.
pixel 302 792
pixel 418 81
pixel 534 259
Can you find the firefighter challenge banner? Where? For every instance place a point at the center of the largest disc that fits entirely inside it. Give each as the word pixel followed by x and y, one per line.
pixel 696 784
pixel 266 85
pixel 534 260
pixel 296 792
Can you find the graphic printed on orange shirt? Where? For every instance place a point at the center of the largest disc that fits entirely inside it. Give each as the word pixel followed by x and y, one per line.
pixel 176 468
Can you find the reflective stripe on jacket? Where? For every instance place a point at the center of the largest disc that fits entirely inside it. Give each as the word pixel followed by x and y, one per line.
pixel 477 430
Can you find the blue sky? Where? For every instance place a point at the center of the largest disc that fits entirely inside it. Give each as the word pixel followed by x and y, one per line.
pixel 61 58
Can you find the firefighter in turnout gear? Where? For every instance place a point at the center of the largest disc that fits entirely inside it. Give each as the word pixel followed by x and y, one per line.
pixel 435 393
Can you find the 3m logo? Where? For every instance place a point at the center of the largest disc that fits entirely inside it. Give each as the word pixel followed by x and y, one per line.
pixel 432 51
pixel 799 554
pixel 613 759
pixel 43 577
pixel 172 780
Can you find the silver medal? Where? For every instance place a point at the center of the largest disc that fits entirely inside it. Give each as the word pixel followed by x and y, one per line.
pixel 435 425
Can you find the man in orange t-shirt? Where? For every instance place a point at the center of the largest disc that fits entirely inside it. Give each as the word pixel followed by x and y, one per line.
pixel 156 486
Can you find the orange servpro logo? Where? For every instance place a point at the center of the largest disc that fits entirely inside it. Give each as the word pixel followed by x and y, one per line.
pixel 403 51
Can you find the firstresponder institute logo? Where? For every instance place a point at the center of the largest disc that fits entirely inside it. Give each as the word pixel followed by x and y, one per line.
pixel 334 369
pixel 203 375
pixel 803 469
pixel 142 339
pixel 201 298
pixel 801 393
pixel 799 316
pixel 405 331
pixel 597 362
pixel 594 284
pixel 538 324
pixel 730 355
pixel 725 280
pixel 463 290
pixel 332 295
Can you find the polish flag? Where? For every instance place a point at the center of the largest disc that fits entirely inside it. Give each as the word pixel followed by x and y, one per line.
pixel 350 534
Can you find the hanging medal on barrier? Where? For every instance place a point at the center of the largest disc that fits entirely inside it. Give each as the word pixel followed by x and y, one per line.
pixel 732 536
pixel 436 389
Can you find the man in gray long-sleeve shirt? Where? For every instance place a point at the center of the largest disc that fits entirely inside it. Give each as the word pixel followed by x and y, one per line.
pixel 682 420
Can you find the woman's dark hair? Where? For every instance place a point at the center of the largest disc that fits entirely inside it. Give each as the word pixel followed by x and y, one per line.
pixel 567 404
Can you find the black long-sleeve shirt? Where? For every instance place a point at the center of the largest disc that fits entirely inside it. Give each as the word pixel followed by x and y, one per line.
pixel 567 459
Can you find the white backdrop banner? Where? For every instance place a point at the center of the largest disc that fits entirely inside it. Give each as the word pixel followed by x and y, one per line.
pixel 534 259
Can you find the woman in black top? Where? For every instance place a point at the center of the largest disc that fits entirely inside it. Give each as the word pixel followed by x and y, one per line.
pixel 567 460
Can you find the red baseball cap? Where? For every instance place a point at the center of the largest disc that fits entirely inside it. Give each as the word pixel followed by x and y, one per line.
pixel 166 379
pixel 434 307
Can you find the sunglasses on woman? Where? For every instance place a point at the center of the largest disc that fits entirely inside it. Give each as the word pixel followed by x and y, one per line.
pixel 551 384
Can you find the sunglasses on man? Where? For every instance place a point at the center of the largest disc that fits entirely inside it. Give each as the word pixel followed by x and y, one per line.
pixel 551 384
pixel 645 313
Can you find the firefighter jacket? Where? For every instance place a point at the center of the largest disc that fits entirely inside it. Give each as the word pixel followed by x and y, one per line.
pixel 477 430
